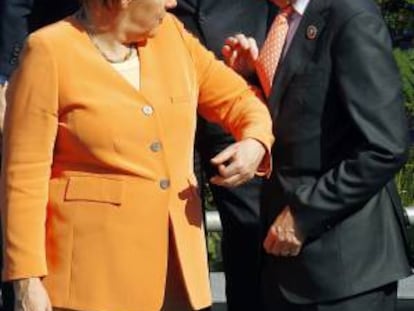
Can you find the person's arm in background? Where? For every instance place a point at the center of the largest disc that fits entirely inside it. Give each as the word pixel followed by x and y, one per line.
pixel 13 31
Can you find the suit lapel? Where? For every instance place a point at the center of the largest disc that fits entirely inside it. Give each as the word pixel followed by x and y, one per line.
pixel 299 54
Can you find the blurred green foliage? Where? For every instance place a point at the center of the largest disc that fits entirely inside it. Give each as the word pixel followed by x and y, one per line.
pixel 405 181
pixel 405 61
pixel 213 238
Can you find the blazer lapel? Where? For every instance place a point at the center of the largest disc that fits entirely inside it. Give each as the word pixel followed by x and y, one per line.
pixel 300 52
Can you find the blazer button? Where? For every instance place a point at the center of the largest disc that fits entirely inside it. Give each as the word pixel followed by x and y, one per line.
pixel 164 184
pixel 155 146
pixel 147 110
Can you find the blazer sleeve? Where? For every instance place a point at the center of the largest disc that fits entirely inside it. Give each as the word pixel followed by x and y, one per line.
pixel 13 31
pixel 225 98
pixel 30 131
pixel 368 82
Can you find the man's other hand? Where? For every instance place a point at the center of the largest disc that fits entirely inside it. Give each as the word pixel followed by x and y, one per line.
pixel 238 163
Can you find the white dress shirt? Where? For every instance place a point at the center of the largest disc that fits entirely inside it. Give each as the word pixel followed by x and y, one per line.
pixel 299 7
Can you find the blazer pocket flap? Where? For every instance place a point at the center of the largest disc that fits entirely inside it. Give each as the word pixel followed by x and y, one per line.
pixel 94 189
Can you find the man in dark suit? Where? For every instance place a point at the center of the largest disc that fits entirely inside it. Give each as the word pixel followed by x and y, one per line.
pixel 17 19
pixel 335 236
pixel 212 21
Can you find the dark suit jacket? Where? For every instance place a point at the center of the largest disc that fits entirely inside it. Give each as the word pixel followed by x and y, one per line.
pixel 19 17
pixel 341 136
pixel 209 20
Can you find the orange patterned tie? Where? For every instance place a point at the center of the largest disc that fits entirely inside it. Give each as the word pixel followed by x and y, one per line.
pixel 271 52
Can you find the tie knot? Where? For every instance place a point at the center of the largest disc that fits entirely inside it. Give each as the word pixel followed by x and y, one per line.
pixel 287 11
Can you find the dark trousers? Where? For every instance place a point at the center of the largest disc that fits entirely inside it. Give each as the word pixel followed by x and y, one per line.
pixel 7 297
pixel 241 244
pixel 239 213
pixel 383 298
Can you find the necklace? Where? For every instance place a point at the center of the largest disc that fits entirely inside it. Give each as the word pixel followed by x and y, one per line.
pixel 127 55
pixel 82 17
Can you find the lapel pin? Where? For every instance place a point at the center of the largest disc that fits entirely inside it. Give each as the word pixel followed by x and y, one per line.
pixel 311 32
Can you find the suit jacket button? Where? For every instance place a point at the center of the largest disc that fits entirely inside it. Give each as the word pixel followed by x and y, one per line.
pixel 164 184
pixel 155 146
pixel 147 110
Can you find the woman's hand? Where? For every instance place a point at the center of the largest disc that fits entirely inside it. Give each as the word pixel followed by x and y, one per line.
pixel 240 53
pixel 31 295
pixel 238 163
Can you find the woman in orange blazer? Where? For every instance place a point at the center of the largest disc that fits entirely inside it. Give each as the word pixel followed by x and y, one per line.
pixel 98 194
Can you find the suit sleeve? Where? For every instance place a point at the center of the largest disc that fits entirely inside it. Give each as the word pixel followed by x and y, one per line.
pixel 187 12
pixel 13 31
pixel 225 98
pixel 368 83
pixel 30 132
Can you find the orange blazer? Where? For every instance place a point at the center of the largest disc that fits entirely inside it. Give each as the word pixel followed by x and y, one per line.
pixel 94 170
